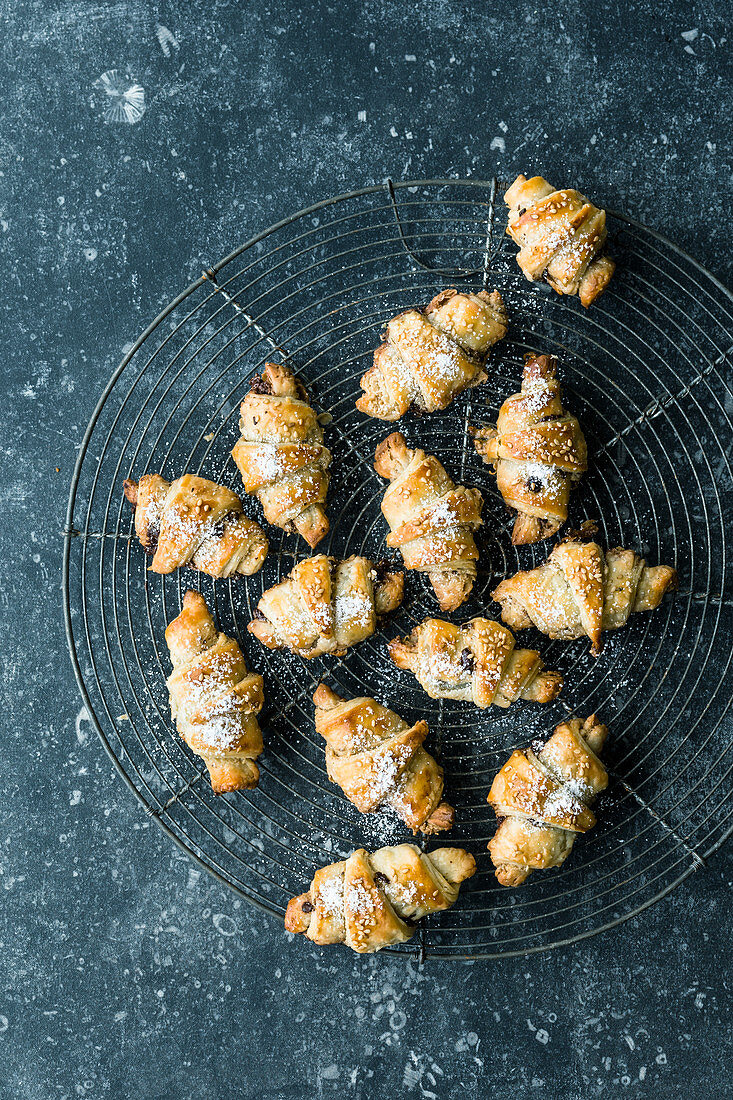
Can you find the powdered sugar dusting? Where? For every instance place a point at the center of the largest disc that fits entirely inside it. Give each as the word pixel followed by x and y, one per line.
pixel 351 610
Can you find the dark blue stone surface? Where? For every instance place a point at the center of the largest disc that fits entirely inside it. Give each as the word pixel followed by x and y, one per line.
pixel 126 971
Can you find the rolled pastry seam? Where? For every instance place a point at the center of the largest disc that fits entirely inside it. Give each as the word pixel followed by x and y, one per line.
pixel 561 235
pixel 538 452
pixel 378 760
pixel 430 356
pixel 214 697
pixel 281 456
pixel 372 900
pixel 431 519
pixel 580 591
pixel 326 606
pixel 193 521
pixel 477 663
pixel 542 798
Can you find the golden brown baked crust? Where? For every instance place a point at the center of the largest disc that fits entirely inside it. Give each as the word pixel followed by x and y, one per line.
pixel 430 356
pixel 581 591
pixel 538 451
pixel 477 662
pixel 378 760
pixel 561 236
pixel 326 606
pixel 431 520
pixel 370 901
pixel 193 521
pixel 542 796
pixel 281 456
pixel 214 697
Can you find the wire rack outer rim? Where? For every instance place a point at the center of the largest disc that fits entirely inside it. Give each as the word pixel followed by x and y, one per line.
pixel 69 533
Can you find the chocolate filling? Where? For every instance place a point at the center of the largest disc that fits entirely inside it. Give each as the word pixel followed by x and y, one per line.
pixel 258 617
pixel 260 384
pixel 534 484
pixel 217 529
pixel 467 661
pixel 381 569
pixel 307 907
pixel 151 544
pixel 380 879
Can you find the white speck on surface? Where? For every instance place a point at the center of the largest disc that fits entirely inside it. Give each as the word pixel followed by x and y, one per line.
pixel 166 39
pixel 224 924
pixel 125 98
pixel 82 716
pixel 498 143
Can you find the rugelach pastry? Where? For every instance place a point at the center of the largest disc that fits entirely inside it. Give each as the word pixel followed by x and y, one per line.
pixel 429 356
pixel 281 455
pixel 538 451
pixel 326 606
pixel 561 235
pixel 192 521
pixel 378 760
pixel 431 520
pixel 542 798
pixel 214 697
pixel 581 591
pixel 370 901
pixel 477 663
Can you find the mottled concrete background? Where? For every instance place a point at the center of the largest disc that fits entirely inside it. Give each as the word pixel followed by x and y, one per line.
pixel 126 972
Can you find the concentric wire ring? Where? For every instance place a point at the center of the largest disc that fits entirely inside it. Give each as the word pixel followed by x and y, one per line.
pixel 646 370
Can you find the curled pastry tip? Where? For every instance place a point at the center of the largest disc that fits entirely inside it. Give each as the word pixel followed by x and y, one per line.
pixel 512 874
pixel 326 699
pixel 529 529
pixel 441 819
pixel 312 524
pixel 452 589
pixel 227 777
pixel 130 490
pixel 391 455
pixel 546 686
pixel 297 914
pixel 539 367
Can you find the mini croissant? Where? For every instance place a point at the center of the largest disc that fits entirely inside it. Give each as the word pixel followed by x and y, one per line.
pixel 432 520
pixel 430 356
pixel 326 606
pixel 477 663
pixel 281 456
pixel 370 901
pixel 561 236
pixel 214 697
pixel 580 591
pixel 537 450
pixel 377 760
pixel 192 521
pixel 543 797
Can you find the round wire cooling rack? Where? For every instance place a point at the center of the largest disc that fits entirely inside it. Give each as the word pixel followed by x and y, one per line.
pixel 644 369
